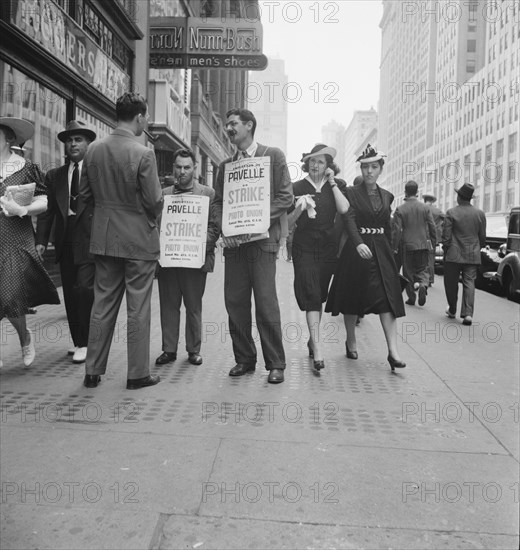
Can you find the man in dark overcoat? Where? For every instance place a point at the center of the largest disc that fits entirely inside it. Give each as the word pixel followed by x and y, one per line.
pixel 72 218
pixel 463 235
pixel 415 230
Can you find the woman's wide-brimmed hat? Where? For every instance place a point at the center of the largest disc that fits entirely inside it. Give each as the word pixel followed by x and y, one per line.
pixel 370 155
pixel 319 149
pixel 74 128
pixel 23 129
pixel 465 192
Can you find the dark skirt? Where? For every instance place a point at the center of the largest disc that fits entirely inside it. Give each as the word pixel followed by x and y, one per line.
pixel 314 262
pixel 24 281
pixel 366 286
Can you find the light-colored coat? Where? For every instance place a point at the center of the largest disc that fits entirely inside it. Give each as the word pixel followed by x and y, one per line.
pixel 120 177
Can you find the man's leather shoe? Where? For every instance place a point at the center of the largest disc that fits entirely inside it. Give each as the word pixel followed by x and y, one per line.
pixel 410 302
pixel 449 314
pixel 275 376
pixel 242 368
pixel 91 380
pixel 166 357
pixel 422 295
pixel 467 320
pixel 138 383
pixel 194 358
pixel 80 355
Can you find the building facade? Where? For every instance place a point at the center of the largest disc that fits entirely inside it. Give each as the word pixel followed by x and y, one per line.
pixel 189 106
pixel 265 99
pixel 361 126
pixel 450 90
pixel 68 59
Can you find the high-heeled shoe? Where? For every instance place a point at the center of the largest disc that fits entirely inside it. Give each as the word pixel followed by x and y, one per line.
pixel 351 354
pixel 309 347
pixel 395 364
pixel 318 365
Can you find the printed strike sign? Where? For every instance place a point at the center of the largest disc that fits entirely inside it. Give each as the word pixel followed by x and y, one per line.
pixel 184 226
pixel 247 203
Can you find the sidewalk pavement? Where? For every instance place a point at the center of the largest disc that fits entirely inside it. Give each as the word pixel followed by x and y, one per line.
pixel 355 457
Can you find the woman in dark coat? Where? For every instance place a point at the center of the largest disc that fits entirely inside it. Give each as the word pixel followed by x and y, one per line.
pixel 366 280
pixel 319 196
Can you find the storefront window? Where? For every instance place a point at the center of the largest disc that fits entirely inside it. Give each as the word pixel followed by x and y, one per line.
pixel 23 97
pixel 101 128
pixel 166 8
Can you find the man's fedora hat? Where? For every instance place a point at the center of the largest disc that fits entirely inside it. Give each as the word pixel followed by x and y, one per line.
pixel 429 197
pixel 370 155
pixel 23 129
pixel 319 149
pixel 466 192
pixel 74 128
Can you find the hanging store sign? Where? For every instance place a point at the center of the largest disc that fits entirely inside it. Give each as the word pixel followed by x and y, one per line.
pixel 191 42
pixel 45 23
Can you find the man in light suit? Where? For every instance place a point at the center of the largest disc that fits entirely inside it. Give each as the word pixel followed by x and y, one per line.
pixel 438 220
pixel 120 179
pixel 250 266
pixel 463 235
pixel 178 284
pixel 415 231
pixel 72 218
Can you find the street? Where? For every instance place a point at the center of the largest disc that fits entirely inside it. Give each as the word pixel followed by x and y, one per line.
pixel 354 457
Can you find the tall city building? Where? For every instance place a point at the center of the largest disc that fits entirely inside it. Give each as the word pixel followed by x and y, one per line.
pixel 361 126
pixel 407 69
pixel 265 98
pixel 449 96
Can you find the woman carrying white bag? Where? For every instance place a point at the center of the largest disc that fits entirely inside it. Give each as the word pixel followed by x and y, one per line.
pixel 24 282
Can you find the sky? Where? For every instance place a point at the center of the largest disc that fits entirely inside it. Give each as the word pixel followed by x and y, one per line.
pixel 332 54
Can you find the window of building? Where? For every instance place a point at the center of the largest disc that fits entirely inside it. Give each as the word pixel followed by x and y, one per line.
pixel 471 46
pixel 489 152
pixel 498 201
pixel 500 149
pixel 38 105
pixel 487 202
pixel 512 143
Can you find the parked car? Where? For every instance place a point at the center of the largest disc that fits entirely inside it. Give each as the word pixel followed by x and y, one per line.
pixel 508 269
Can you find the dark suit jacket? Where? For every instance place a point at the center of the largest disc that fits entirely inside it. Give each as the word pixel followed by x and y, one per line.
pixel 464 234
pixel 213 222
pixel 438 220
pixel 281 193
pixel 414 226
pixel 57 211
pixel 119 178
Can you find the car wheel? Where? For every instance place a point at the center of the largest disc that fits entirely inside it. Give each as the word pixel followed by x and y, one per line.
pixel 509 286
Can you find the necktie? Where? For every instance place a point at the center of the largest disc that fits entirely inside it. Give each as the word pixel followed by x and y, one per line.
pixel 74 187
pixel 245 155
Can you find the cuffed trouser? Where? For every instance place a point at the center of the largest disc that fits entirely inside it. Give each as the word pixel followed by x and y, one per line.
pixel 178 284
pixel 77 282
pixel 415 269
pixel 451 286
pixel 113 277
pixel 431 265
pixel 249 269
